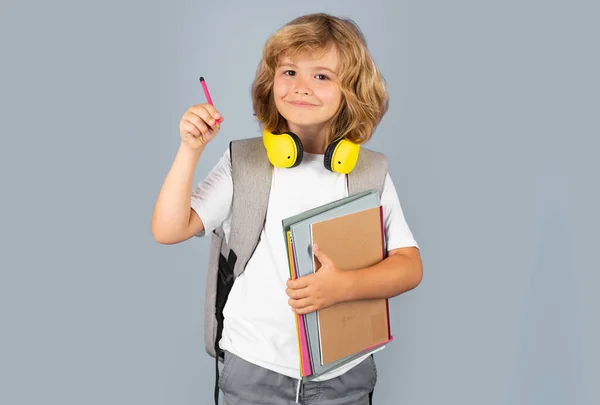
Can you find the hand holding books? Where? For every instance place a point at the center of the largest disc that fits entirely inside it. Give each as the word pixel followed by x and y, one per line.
pixel 320 290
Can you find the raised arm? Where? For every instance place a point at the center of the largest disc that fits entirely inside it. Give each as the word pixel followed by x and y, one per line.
pixel 173 219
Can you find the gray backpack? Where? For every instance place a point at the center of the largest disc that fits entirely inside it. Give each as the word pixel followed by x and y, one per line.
pixel 250 200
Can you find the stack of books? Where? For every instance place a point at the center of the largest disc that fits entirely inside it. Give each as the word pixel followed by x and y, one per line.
pixel 350 231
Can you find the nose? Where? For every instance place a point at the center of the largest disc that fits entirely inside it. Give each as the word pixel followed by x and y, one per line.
pixel 301 87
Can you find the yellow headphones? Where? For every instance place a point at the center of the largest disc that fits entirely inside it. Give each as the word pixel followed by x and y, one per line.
pixel 285 150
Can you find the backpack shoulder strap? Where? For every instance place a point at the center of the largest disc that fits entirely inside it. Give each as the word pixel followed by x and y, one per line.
pixel 228 257
pixel 250 196
pixel 369 173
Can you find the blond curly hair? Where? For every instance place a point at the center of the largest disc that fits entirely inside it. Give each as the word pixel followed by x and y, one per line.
pixel 364 96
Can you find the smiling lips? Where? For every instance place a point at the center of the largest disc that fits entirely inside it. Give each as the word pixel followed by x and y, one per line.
pixel 301 104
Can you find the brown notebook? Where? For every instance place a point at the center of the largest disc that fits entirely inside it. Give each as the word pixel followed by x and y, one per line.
pixel 352 241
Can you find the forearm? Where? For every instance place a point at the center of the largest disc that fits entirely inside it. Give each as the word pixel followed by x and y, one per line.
pixel 171 214
pixel 393 276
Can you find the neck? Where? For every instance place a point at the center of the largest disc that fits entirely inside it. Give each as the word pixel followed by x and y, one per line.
pixel 312 137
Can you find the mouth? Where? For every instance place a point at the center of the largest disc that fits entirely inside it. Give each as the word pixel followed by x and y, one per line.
pixel 301 104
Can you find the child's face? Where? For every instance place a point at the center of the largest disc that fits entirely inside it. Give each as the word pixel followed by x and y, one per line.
pixel 306 89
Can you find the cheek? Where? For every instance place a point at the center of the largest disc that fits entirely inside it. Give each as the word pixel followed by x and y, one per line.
pixel 279 88
pixel 333 97
pixel 278 93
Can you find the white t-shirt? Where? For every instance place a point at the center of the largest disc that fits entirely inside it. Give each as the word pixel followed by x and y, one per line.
pixel 259 324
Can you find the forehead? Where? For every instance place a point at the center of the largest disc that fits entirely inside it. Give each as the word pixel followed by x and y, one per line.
pixel 328 57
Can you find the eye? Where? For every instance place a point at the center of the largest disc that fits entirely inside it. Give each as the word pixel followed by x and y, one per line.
pixel 321 77
pixel 289 72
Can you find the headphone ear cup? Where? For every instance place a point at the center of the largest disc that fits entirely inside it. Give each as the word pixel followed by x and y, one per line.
pixel 329 154
pixel 299 148
pixel 341 156
pixel 283 150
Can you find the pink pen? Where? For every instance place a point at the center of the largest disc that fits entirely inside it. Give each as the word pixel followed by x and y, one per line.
pixel 207 94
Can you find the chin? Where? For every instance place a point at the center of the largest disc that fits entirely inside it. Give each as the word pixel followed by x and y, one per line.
pixel 307 124
pixel 304 120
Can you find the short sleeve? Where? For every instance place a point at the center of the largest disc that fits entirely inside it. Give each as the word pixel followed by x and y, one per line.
pixel 213 196
pixel 397 231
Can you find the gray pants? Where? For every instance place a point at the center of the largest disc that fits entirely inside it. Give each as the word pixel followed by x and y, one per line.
pixel 243 383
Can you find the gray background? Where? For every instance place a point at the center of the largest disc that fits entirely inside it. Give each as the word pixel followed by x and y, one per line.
pixel 494 126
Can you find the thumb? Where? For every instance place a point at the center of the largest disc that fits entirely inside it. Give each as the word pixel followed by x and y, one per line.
pixel 323 258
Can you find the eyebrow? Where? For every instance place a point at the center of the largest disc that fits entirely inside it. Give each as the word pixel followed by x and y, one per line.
pixel 291 64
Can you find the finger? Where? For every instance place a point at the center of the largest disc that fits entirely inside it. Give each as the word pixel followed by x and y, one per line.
pixel 323 258
pixel 296 294
pixel 207 112
pixel 292 284
pixel 299 304
pixel 305 310
pixel 301 282
pixel 190 129
pixel 213 113
pixel 199 123
pixel 201 114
